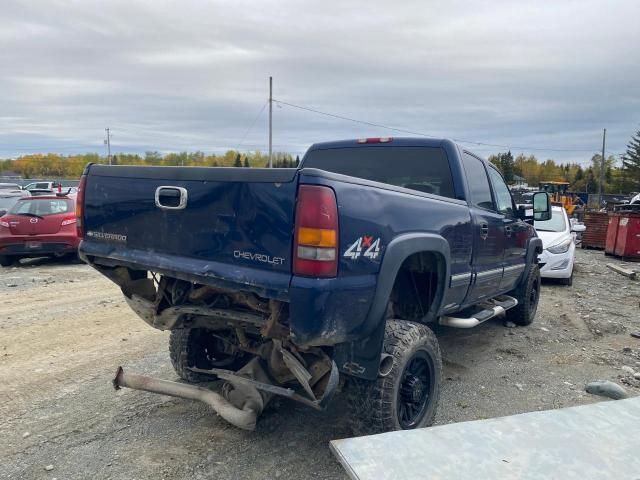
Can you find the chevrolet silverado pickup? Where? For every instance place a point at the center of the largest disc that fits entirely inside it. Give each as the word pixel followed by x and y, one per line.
pixel 301 282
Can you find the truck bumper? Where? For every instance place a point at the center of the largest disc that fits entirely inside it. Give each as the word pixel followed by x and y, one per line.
pixel 322 312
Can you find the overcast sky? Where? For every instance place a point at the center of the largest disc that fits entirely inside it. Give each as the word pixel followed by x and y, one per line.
pixel 193 75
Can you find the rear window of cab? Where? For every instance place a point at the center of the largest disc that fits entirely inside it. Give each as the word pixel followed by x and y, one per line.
pixel 425 169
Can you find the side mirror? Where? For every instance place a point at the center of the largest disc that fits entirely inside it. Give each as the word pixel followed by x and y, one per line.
pixel 541 206
pixel 2 212
pixel 578 227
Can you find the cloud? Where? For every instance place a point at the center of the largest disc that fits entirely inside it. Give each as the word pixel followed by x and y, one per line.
pixel 169 75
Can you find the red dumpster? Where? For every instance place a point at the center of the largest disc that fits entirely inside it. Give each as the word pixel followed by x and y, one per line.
pixel 612 233
pixel 628 238
pixel 596 233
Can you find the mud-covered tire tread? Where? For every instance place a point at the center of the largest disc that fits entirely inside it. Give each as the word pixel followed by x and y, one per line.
pixel 521 314
pixel 370 403
pixel 180 343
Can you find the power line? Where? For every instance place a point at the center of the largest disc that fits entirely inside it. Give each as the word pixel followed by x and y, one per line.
pixel 421 134
pixel 341 117
pixel 252 125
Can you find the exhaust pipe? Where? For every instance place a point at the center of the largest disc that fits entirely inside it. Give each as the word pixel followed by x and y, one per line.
pixel 244 417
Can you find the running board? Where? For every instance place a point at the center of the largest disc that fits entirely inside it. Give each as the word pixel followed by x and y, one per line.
pixel 497 306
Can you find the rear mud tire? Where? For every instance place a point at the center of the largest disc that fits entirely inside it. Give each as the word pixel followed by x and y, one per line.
pixel 193 347
pixel 528 295
pixel 407 397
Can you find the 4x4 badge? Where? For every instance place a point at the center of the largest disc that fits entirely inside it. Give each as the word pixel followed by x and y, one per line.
pixel 365 242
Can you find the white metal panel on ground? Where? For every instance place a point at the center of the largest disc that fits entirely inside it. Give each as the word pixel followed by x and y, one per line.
pixel 598 441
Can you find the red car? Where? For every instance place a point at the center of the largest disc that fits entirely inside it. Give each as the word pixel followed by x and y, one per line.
pixel 38 227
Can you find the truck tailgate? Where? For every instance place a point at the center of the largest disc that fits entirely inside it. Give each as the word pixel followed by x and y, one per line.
pixel 242 216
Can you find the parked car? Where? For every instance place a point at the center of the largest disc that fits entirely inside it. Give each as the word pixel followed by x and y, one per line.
pixel 9 197
pixel 38 227
pixel 9 186
pixel 50 186
pixel 558 236
pixel 282 280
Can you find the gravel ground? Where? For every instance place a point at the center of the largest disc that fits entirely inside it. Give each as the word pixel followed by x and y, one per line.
pixel 64 329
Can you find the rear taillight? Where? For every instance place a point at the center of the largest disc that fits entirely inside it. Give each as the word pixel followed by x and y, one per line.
pixel 316 232
pixel 80 206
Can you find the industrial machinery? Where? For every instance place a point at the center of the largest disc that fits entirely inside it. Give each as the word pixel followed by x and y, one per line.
pixel 558 193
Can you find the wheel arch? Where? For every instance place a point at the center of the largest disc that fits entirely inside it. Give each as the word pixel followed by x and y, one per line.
pixel 534 248
pixel 397 252
pixel 361 358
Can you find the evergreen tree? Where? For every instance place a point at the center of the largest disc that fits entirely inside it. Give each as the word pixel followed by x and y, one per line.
pixel 297 160
pixel 246 162
pixel 579 174
pixel 591 184
pixel 237 162
pixel 631 161
pixel 508 166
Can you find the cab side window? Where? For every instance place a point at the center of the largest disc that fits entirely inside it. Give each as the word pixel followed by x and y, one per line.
pixel 479 189
pixel 503 196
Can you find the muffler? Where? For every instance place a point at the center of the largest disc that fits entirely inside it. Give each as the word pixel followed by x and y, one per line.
pixel 243 417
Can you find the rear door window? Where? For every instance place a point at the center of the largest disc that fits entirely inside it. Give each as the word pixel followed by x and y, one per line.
pixel 479 189
pixel 425 169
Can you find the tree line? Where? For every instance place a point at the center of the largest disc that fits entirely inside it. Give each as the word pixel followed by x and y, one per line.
pixel 617 178
pixel 621 178
pixel 56 166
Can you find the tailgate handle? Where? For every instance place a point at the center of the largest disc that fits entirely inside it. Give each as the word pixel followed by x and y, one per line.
pixel 171 198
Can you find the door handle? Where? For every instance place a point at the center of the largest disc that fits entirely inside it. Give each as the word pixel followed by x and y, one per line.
pixel 484 230
pixel 508 230
pixel 171 198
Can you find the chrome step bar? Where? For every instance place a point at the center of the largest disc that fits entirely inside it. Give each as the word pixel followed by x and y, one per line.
pixel 493 308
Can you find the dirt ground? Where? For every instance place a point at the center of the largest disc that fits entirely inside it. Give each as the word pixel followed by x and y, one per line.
pixel 64 329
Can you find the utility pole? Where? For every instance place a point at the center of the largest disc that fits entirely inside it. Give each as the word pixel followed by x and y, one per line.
pixel 601 184
pixel 270 121
pixel 108 142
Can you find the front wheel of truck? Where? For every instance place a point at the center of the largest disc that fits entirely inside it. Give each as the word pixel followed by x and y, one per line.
pixel 406 397
pixel 528 295
pixel 201 348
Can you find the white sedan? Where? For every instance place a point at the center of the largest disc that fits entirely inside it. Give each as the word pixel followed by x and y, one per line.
pixel 558 241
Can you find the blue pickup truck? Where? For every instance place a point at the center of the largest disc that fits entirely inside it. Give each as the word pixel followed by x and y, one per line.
pixel 301 282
